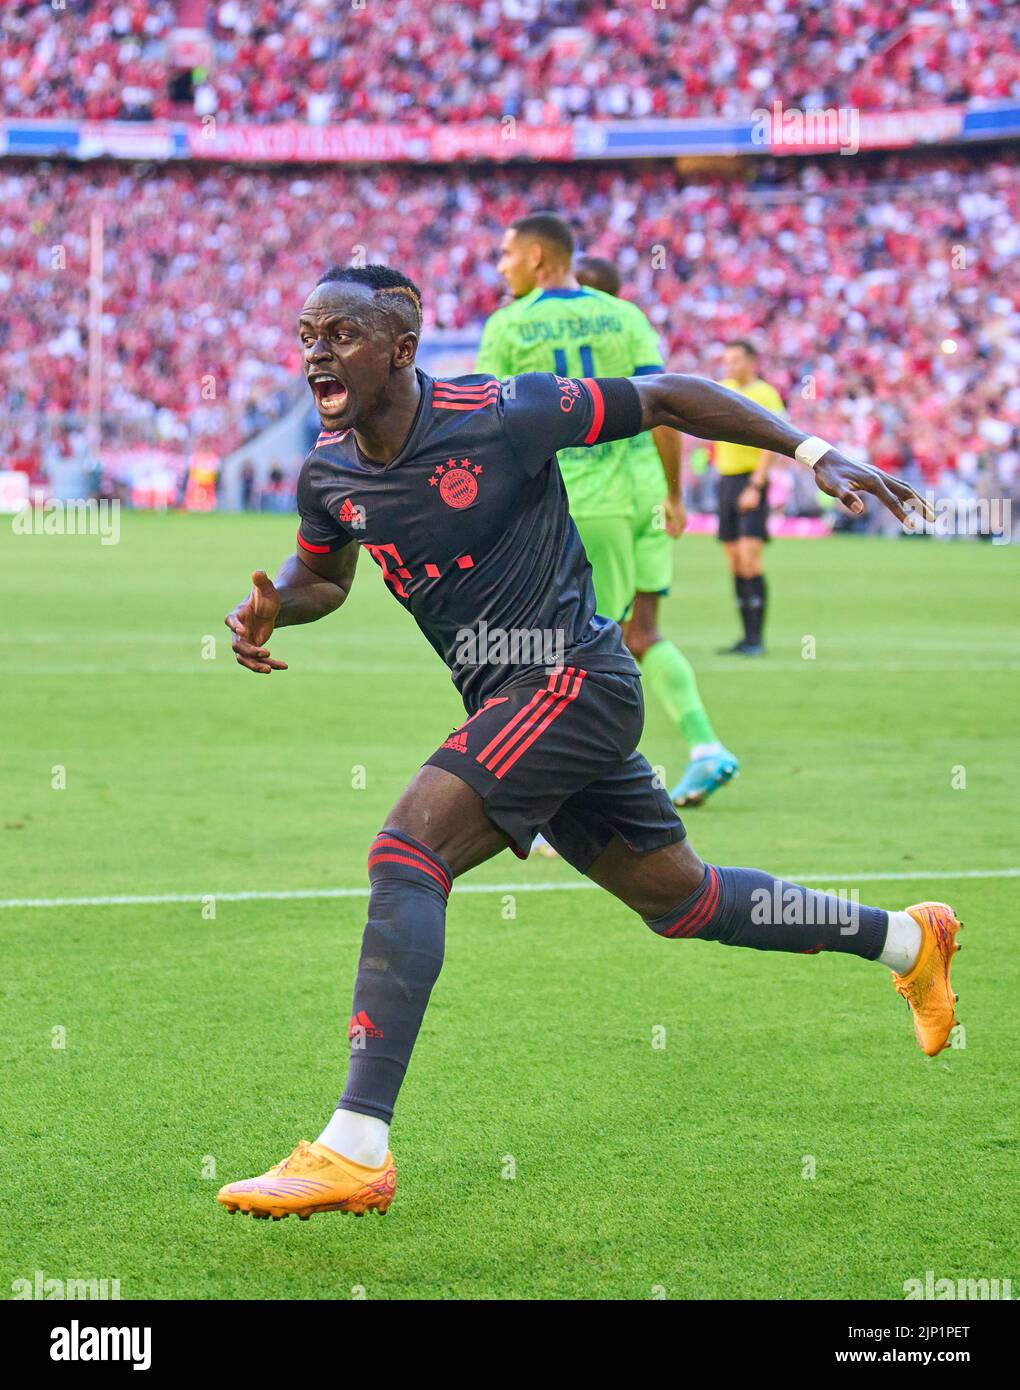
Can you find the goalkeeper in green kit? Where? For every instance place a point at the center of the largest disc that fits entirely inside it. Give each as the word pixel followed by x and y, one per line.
pixel 624 496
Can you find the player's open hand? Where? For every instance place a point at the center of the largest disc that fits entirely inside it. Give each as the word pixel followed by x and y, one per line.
pixel 845 481
pixel 252 623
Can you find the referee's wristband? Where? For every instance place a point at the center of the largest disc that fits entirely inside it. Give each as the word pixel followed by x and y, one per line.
pixel 810 450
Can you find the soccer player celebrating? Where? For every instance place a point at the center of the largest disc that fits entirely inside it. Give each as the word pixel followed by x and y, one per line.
pixel 624 495
pixel 453 489
pixel 743 499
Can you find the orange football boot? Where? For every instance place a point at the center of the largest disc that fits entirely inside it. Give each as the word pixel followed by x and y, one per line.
pixel 926 986
pixel 313 1179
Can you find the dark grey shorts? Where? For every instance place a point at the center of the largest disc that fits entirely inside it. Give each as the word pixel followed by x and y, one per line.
pixel 557 755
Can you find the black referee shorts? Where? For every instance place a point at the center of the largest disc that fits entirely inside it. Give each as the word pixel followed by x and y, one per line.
pixel 733 523
pixel 557 755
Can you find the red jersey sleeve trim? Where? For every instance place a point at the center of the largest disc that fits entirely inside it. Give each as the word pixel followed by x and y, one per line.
pixel 600 409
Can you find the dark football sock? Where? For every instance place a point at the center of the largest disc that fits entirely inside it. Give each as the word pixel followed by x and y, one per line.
pixel 740 585
pixel 754 619
pixel 401 957
pixel 745 907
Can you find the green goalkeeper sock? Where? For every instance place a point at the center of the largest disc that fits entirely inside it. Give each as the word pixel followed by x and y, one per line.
pixel 672 677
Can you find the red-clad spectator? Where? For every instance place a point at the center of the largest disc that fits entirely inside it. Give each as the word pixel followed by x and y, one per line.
pixel 885 298
pixel 543 61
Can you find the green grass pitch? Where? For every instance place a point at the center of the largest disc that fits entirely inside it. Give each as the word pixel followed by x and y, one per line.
pixel 546 1147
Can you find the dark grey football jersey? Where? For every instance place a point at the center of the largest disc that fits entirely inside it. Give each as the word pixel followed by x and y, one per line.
pixel 470 525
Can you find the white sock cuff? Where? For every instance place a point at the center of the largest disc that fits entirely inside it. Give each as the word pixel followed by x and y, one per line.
pixel 362 1138
pixel 902 943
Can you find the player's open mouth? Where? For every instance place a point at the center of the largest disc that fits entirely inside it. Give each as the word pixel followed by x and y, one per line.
pixel 330 395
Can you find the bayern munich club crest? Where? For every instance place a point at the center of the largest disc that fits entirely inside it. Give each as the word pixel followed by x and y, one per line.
pixel 457 481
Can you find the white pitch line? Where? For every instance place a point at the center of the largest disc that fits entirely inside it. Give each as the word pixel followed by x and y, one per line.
pixel 293 894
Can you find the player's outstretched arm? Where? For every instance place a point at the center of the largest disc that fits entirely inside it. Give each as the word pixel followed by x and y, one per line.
pixel 304 590
pixel 708 411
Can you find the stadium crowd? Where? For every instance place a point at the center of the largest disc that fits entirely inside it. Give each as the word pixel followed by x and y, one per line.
pixel 542 61
pixel 885 298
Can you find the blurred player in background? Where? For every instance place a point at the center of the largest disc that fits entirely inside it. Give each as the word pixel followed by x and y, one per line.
pixel 654 474
pixel 624 496
pixel 743 499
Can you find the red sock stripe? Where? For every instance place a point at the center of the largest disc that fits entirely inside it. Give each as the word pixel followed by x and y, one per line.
pixel 705 916
pixel 704 913
pixel 383 841
pixel 420 858
pixel 701 912
pixel 559 705
pixel 374 859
